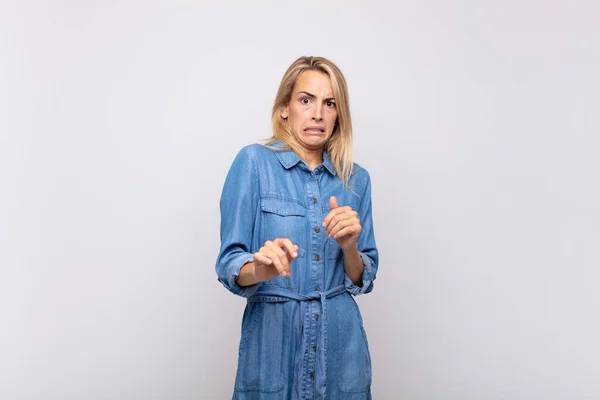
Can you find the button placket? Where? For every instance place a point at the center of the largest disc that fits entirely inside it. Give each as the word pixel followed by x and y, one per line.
pixel 316 266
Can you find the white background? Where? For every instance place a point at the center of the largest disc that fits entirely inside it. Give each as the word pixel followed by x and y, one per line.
pixel 478 122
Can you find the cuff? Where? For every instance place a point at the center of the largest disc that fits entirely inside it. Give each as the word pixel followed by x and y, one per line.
pixel 234 271
pixel 367 278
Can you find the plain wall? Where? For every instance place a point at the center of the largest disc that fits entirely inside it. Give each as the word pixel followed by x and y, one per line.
pixel 478 122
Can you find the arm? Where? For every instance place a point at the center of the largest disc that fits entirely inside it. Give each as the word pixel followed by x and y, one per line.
pixel 238 205
pixel 353 265
pixel 247 276
pixel 366 246
pixel 353 231
pixel 361 263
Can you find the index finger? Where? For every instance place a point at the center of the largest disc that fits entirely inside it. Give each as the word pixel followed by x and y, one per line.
pixel 288 245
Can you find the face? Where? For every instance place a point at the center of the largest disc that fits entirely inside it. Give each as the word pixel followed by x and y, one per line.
pixel 312 112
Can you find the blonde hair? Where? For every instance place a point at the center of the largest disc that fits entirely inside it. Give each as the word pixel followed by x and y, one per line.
pixel 339 145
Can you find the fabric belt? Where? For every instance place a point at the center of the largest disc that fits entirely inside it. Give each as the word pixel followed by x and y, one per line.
pixel 271 293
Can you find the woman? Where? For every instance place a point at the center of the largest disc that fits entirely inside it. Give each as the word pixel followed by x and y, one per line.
pixel 297 241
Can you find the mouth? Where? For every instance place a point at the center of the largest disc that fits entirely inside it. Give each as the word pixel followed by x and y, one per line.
pixel 316 130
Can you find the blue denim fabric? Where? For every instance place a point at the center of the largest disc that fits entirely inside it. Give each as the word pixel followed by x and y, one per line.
pixel 302 337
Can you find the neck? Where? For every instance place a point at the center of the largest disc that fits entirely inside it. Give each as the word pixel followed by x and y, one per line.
pixel 313 158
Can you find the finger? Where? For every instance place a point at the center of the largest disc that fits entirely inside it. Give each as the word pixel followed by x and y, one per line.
pixel 337 211
pixel 340 225
pixel 290 258
pixel 287 244
pixel 281 257
pixel 261 258
pixel 349 230
pixel 341 216
pixel 331 215
pixel 270 253
pixel 343 224
pixel 333 204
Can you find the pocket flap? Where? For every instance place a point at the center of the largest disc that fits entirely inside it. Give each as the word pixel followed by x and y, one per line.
pixel 282 207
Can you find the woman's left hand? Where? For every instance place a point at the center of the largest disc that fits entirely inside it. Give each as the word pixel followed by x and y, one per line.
pixel 342 224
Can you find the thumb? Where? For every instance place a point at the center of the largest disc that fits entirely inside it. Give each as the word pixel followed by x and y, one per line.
pixel 333 202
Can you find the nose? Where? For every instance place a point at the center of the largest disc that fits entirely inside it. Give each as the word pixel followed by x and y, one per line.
pixel 317 114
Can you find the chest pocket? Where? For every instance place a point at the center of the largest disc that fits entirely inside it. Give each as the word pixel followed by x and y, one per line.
pixel 283 218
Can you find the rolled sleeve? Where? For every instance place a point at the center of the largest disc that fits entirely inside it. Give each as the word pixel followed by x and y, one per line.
pixel 367 278
pixel 367 247
pixel 233 271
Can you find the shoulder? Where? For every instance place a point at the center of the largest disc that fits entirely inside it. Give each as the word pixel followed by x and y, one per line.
pixel 360 175
pixel 253 157
pixel 254 151
pixel 360 181
pixel 249 154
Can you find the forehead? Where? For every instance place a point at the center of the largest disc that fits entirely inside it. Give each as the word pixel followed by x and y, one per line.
pixel 315 82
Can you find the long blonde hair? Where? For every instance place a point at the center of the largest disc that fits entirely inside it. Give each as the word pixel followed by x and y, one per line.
pixel 339 145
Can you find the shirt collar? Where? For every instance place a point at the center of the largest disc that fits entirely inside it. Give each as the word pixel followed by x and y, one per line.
pixel 327 163
pixel 288 158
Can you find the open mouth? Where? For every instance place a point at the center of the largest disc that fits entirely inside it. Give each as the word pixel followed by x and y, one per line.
pixel 314 130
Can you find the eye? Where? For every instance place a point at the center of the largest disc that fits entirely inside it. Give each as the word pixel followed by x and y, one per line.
pixel 305 100
pixel 330 104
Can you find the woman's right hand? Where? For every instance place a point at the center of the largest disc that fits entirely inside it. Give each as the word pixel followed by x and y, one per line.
pixel 274 259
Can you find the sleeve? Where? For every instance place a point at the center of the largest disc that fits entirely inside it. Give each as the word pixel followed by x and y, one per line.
pixel 238 205
pixel 367 247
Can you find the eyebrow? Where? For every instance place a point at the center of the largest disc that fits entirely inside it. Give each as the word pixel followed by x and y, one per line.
pixel 313 96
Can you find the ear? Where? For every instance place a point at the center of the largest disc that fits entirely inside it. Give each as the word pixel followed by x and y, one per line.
pixel 285 111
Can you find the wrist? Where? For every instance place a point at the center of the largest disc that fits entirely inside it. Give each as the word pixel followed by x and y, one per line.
pixel 257 274
pixel 252 267
pixel 351 249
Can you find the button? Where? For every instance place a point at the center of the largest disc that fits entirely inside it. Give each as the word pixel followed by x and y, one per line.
pixel 317 229
pixel 317 317
pixel 314 200
pixel 312 377
pixel 317 180
pixel 317 257
pixel 318 288
pixel 314 348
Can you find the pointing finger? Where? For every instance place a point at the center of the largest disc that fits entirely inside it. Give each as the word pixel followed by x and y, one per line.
pixel 262 258
pixel 292 249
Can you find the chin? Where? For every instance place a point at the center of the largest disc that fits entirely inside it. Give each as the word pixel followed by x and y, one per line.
pixel 314 140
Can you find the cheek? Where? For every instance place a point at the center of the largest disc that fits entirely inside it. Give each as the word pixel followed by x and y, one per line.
pixel 298 117
pixel 293 114
pixel 332 118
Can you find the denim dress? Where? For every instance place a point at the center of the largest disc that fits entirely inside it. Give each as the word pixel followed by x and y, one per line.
pixel 302 336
